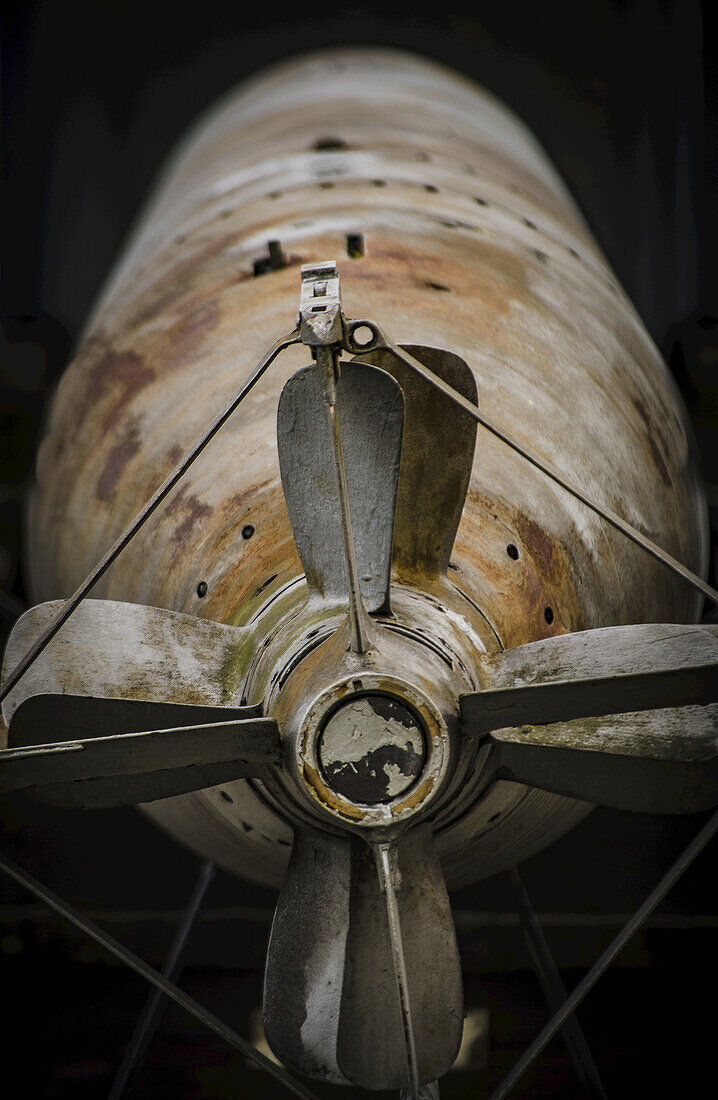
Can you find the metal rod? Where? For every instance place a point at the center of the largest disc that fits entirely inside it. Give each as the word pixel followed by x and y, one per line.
pixel 389 873
pixel 154 978
pixel 360 628
pixel 142 516
pixel 426 1092
pixel 561 479
pixel 587 983
pixel 153 1011
pixel 554 990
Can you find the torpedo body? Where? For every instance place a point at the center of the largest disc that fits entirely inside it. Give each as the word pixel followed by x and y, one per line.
pixel 451 233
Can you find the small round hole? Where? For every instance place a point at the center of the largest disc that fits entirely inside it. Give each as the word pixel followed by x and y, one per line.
pixel 512 551
pixel 363 336
pixel 202 589
pixel 327 144
pixel 548 615
pixel 247 531
pixel 379 183
pixel 274 195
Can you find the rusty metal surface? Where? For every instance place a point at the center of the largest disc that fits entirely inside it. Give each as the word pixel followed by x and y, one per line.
pixel 457 235
pixel 436 460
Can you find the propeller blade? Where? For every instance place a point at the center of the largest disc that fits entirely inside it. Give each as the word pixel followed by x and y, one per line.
pixel 332 1007
pixel 305 959
pixel 108 649
pixel 436 460
pixel 50 717
pixel 124 769
pixel 371 414
pixel 621 716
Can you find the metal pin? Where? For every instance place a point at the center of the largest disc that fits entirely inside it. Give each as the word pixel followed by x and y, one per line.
pixel 389 877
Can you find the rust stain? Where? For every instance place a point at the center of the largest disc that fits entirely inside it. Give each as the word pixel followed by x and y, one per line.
pixel 247 496
pixel 414 799
pixel 652 436
pixel 517 594
pixel 194 510
pixel 174 454
pixel 542 549
pixel 326 796
pixel 126 448
pixel 175 283
pixel 186 336
pixel 119 374
pixel 477 269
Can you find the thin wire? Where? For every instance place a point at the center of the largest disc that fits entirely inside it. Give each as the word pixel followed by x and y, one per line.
pixel 151 1015
pixel 359 622
pixel 168 988
pixel 554 990
pixel 388 869
pixel 570 1005
pixel 142 516
pixel 561 479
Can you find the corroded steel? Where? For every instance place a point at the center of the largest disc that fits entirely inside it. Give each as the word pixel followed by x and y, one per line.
pixel 457 235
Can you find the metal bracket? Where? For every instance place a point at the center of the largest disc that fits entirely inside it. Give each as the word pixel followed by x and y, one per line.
pixel 320 319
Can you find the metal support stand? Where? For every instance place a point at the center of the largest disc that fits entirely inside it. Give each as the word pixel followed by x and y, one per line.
pixel 572 1002
pixel 554 990
pixel 168 988
pixel 148 1023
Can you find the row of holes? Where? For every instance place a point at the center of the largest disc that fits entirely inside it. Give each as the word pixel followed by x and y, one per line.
pixel 512 550
pixel 326 185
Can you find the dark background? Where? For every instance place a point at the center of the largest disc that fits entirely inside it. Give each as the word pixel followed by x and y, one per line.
pixel 623 97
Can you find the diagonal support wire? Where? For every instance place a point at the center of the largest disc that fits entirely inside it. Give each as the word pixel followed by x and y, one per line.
pixel 153 1011
pixel 155 978
pixel 554 990
pixel 572 1002
pixel 360 626
pixel 143 515
pixel 380 340
pixel 387 864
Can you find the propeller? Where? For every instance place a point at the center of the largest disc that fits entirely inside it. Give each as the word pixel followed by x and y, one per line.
pixel 623 716
pixel 126 706
pixel 126 768
pixel 336 1005
pixel 331 1000
pixel 129 703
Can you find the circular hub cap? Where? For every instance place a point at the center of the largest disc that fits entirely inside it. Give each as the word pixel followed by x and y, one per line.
pixel 371 749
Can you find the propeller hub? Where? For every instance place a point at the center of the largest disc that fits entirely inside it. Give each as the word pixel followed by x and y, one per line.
pixel 371 749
